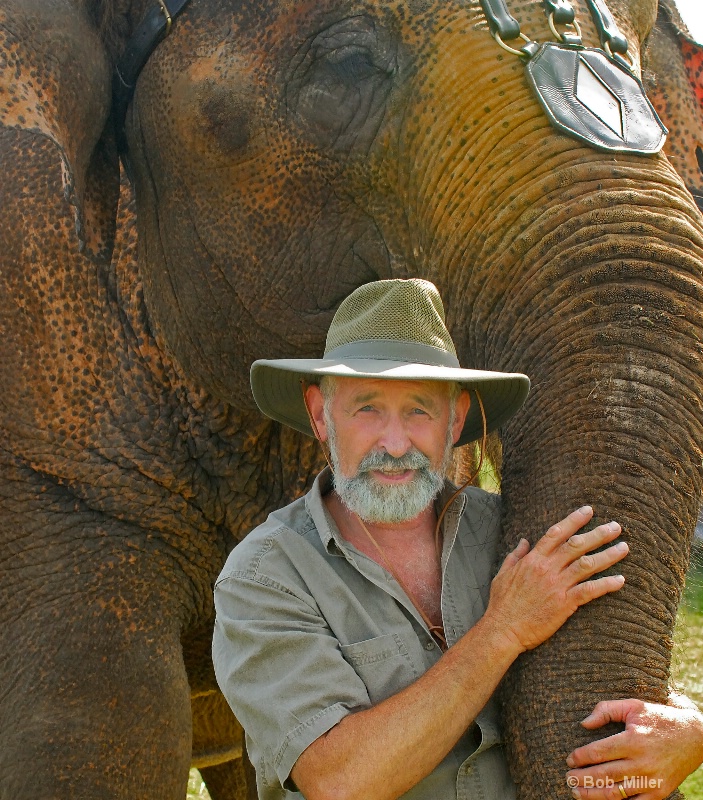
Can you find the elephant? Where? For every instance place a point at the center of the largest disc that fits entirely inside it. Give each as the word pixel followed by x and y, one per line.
pixel 279 156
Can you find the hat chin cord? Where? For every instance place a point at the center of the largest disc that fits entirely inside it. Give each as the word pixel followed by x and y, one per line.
pixel 437 631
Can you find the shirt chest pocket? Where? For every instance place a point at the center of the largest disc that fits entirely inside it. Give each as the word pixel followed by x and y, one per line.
pixel 383 664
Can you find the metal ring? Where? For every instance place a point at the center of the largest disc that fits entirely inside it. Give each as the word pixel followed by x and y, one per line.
pixel 623 793
pixel 624 56
pixel 167 14
pixel 512 50
pixel 556 32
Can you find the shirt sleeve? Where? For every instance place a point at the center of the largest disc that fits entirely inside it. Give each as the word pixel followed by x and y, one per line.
pixel 280 667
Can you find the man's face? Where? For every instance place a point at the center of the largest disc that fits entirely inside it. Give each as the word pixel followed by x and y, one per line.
pixel 391 443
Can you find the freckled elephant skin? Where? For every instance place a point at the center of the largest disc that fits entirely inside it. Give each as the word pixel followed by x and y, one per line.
pixel 283 154
pixel 673 74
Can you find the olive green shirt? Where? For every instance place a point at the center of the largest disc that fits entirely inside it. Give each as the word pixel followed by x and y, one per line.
pixel 309 629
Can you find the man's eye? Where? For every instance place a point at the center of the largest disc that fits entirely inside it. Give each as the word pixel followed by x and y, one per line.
pixel 419 411
pixel 366 408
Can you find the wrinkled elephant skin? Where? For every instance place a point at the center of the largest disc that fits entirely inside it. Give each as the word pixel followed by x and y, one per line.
pixel 282 155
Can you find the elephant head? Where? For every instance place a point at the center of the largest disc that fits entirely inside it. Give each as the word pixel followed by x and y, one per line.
pixel 673 71
pixel 283 154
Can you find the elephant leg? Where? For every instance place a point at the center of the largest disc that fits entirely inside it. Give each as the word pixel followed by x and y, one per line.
pixel 218 749
pixel 82 720
pixel 233 780
pixel 94 696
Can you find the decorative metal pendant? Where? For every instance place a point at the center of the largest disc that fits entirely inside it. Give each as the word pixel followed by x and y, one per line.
pixel 591 97
pixel 588 93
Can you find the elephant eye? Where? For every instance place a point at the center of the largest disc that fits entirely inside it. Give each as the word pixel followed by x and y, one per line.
pixel 351 65
pixel 340 82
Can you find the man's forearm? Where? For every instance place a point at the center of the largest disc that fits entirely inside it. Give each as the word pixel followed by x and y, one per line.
pixel 383 751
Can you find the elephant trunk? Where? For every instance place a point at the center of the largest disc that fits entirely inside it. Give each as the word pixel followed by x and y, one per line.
pixel 604 314
pixel 582 269
pixel 633 462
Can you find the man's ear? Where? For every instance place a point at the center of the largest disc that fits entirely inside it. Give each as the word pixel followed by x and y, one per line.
pixel 316 407
pixel 56 81
pixel 673 76
pixel 463 404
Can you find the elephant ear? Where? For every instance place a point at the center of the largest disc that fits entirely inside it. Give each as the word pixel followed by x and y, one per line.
pixel 55 84
pixel 673 75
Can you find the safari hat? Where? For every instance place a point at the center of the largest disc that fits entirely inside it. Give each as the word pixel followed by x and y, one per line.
pixel 393 330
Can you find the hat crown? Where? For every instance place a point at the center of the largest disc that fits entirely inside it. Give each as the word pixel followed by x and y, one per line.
pixel 393 310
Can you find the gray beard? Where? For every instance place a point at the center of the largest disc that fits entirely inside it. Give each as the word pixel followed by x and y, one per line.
pixel 379 503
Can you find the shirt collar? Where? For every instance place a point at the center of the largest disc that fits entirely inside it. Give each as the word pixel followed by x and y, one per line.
pixel 329 533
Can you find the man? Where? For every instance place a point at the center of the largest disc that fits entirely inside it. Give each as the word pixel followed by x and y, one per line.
pixel 334 616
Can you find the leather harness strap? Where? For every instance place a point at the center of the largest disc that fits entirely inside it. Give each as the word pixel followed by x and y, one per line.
pixel 152 29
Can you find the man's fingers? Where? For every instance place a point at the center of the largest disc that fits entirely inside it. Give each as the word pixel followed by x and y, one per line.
pixel 589 590
pixel 598 783
pixel 605 788
pixel 612 711
pixel 598 752
pixel 591 563
pixel 590 540
pixel 560 532
pixel 522 549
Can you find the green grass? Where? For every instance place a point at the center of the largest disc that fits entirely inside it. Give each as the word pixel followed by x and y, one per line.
pixel 687 662
pixel 196 787
pixel 687 668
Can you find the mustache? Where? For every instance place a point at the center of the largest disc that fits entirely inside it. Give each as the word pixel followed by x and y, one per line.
pixel 380 460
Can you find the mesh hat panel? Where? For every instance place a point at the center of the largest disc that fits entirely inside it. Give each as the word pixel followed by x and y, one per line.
pixel 401 310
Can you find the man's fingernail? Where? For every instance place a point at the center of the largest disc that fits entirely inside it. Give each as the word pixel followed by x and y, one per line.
pixel 585 510
pixel 575 793
pixel 570 763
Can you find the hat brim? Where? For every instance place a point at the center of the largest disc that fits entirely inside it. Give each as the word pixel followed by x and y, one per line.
pixel 276 386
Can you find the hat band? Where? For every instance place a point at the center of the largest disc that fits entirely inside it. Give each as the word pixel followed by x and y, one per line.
pixel 394 350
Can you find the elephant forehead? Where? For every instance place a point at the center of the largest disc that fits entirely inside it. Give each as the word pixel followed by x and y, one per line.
pixel 216 103
pixel 324 71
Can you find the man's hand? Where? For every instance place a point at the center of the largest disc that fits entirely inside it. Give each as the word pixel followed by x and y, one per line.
pixel 659 748
pixel 537 590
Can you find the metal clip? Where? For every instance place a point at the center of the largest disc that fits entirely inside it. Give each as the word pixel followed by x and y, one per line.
pixel 625 59
pixel 167 14
pixel 522 36
pixel 568 38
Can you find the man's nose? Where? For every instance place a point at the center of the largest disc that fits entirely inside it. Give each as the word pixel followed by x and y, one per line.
pixel 395 440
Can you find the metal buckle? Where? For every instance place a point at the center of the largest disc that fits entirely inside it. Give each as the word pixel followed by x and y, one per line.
pixel 568 38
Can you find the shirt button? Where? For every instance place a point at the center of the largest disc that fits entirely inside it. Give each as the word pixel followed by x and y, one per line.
pixel 429 646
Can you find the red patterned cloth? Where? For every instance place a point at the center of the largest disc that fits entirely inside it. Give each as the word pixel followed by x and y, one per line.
pixel 693 58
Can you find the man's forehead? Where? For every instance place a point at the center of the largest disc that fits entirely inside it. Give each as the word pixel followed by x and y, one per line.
pixel 370 388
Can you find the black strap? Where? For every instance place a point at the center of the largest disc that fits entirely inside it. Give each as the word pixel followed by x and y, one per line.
pixel 152 29
pixel 500 19
pixel 610 36
pixel 563 11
